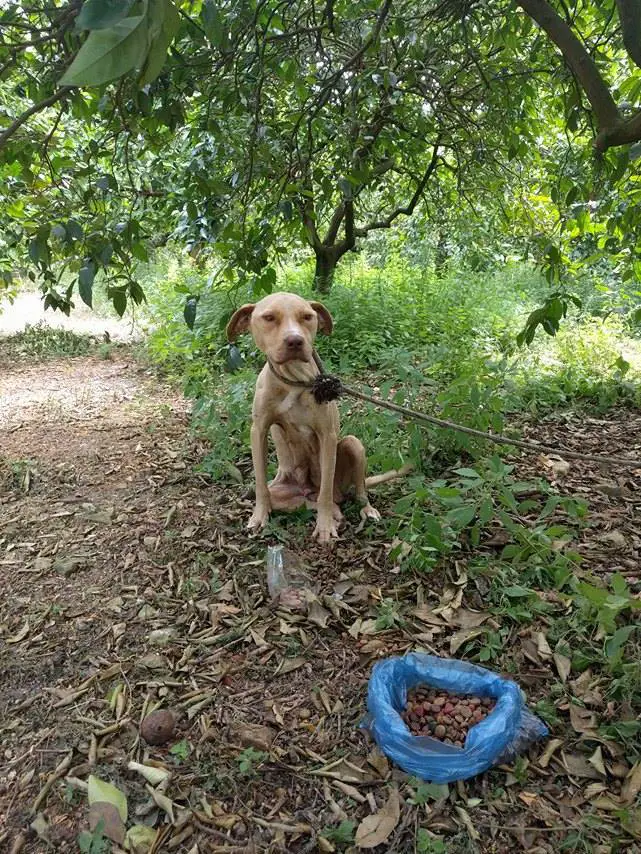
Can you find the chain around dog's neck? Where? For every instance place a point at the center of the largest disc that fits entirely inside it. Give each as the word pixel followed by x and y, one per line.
pixel 324 387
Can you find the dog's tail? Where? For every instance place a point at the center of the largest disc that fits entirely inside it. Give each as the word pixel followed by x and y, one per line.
pixel 393 474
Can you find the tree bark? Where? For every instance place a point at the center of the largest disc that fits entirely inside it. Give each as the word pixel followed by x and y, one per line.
pixel 613 130
pixel 326 260
pixel 577 59
pixel 630 18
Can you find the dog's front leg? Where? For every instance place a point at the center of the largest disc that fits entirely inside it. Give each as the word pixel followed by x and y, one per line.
pixel 262 507
pixel 326 525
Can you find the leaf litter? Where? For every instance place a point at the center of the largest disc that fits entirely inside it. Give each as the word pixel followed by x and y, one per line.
pixel 131 587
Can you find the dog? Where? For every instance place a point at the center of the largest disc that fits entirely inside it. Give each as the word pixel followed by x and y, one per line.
pixel 316 468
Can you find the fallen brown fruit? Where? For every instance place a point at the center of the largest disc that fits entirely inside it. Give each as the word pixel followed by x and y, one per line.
pixel 158 727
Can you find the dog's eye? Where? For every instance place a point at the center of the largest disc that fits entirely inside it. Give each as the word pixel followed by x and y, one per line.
pixel 308 317
pixel 269 318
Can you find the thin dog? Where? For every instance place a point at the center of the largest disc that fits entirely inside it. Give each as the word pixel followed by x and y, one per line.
pixel 316 469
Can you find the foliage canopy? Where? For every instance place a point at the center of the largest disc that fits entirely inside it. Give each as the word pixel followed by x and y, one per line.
pixel 248 128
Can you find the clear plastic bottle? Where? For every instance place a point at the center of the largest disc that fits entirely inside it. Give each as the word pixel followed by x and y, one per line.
pixel 287 581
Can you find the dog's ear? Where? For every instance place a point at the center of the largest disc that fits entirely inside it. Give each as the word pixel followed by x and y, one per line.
pixel 239 322
pixel 325 322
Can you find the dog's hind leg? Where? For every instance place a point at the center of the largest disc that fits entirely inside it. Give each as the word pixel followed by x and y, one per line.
pixel 351 468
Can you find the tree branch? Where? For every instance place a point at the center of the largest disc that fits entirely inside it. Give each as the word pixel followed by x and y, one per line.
pixel 406 210
pixel 308 216
pixel 577 59
pixel 630 18
pixel 335 224
pixel 623 133
pixel 6 135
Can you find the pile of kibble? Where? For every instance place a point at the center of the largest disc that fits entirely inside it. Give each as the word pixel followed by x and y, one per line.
pixel 447 717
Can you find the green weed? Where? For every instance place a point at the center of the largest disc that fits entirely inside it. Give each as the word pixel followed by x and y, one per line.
pixel 42 342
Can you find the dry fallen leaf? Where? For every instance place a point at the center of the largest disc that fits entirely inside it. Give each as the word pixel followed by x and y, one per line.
pixel 632 784
pixel 346 771
pixel 317 614
pixel 582 720
pixel 469 619
pixel 596 760
pixel 99 791
pixel 542 646
pixel 21 635
pixel 578 766
pixel 289 664
pixel 375 829
pixel 459 638
pixel 614 538
pixel 379 762
pixel 140 839
pixel 563 666
pixel 552 746
pixel 112 824
pixel 255 735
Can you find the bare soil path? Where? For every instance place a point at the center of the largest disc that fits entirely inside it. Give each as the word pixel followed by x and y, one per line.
pixel 128 583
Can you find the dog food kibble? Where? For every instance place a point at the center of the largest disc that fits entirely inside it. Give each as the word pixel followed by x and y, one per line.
pixel 447 717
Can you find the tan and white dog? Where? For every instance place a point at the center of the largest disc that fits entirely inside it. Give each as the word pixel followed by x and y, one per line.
pixel 316 469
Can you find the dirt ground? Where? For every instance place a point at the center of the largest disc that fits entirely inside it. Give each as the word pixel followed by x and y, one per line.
pixel 130 584
pixel 28 309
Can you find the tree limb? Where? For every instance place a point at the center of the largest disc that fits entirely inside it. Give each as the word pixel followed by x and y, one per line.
pixel 335 224
pixel 630 18
pixel 6 135
pixel 623 133
pixel 406 210
pixel 577 59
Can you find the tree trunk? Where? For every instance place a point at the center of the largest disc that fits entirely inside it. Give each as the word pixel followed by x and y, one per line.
pixel 440 256
pixel 325 268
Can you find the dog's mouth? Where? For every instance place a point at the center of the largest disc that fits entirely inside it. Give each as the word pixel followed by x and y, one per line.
pixel 297 356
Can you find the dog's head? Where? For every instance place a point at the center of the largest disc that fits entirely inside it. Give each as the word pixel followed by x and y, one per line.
pixel 283 326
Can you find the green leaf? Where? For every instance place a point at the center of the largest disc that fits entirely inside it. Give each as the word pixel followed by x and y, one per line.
pixel 486 511
pixel 212 23
pixel 462 515
pixel 618 640
pixel 99 14
pixel 74 230
pixel 233 360
pixel 181 749
pixel 119 299
pixel 165 12
pixel 100 791
pixel 85 284
pixel 468 473
pixel 517 592
pixel 139 252
pixel 108 54
pixel 189 312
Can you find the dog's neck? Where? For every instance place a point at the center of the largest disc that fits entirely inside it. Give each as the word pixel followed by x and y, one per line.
pixel 297 371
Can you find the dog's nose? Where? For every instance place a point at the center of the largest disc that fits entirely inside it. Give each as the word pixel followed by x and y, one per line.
pixel 293 342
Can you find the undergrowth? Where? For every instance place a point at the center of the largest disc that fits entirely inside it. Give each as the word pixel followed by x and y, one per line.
pixel 446 346
pixel 41 341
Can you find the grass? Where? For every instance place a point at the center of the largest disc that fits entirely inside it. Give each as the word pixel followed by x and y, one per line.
pixel 442 345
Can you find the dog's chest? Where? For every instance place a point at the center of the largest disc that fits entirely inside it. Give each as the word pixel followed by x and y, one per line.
pixel 297 412
pixel 292 408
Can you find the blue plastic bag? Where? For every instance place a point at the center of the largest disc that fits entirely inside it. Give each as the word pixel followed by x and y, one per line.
pixel 501 736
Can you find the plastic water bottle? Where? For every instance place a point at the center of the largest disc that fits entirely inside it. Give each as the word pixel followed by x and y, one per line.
pixel 286 578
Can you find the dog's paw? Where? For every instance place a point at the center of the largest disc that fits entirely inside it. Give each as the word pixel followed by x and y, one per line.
pixel 326 530
pixel 371 513
pixel 258 520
